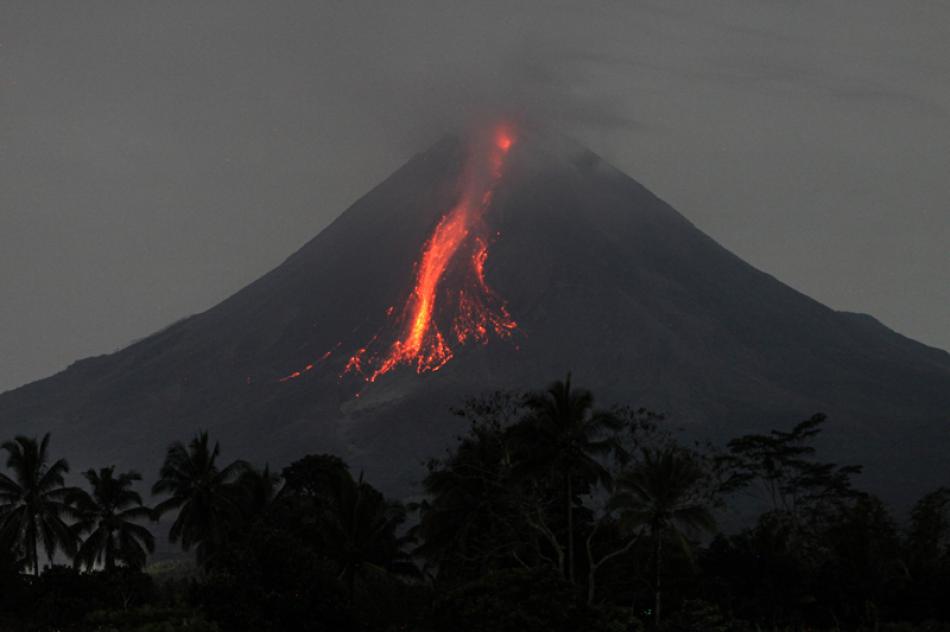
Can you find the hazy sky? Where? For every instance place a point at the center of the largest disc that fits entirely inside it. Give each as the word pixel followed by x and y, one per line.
pixel 157 156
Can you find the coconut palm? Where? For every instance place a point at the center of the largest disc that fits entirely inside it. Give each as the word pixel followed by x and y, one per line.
pixel 661 493
pixel 110 515
pixel 34 502
pixel 564 438
pixel 201 492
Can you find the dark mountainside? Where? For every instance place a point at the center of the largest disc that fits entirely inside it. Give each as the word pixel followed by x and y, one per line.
pixel 603 278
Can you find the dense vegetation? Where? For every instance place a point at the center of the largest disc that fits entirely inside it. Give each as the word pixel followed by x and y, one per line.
pixel 550 514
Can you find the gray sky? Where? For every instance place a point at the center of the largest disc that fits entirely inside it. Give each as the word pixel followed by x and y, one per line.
pixel 157 156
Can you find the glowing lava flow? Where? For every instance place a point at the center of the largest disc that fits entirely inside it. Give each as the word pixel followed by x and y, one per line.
pixel 457 249
pixel 478 311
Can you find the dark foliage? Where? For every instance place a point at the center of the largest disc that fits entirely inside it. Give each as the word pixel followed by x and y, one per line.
pixel 276 583
pixel 519 600
pixel 199 491
pixel 110 516
pixel 549 514
pixel 62 597
pixel 34 506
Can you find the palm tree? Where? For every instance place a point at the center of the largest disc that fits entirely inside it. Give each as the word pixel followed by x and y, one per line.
pixel 359 528
pixel 34 501
pixel 109 514
pixel 661 492
pixel 200 491
pixel 562 437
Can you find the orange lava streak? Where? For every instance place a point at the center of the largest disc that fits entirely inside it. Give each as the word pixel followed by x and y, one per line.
pixel 422 343
pixel 478 263
pixel 472 310
pixel 309 367
pixel 443 245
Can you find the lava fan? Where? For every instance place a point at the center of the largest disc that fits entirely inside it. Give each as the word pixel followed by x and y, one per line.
pixel 451 302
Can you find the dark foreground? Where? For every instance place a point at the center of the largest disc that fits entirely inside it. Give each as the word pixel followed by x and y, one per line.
pixel 548 515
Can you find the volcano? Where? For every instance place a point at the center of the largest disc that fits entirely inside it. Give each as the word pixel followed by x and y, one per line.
pixel 500 260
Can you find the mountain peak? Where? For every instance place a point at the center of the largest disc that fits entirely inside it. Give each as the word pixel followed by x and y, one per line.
pixel 499 258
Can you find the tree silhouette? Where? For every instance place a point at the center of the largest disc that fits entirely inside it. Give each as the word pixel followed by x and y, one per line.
pixel 472 520
pixel 929 537
pixel 561 438
pixel 359 528
pixel 311 476
pixel 34 501
pixel 782 464
pixel 661 492
pixel 201 492
pixel 928 554
pixel 110 514
pixel 256 492
pixel 861 563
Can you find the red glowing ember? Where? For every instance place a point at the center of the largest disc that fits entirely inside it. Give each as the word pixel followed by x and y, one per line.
pixel 471 311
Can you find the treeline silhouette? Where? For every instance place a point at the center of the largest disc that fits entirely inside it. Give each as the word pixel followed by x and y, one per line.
pixel 549 514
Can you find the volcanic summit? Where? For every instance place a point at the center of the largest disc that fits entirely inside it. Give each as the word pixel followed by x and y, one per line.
pixel 500 260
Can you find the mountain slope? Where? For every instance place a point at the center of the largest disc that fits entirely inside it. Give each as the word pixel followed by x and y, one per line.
pixel 601 277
